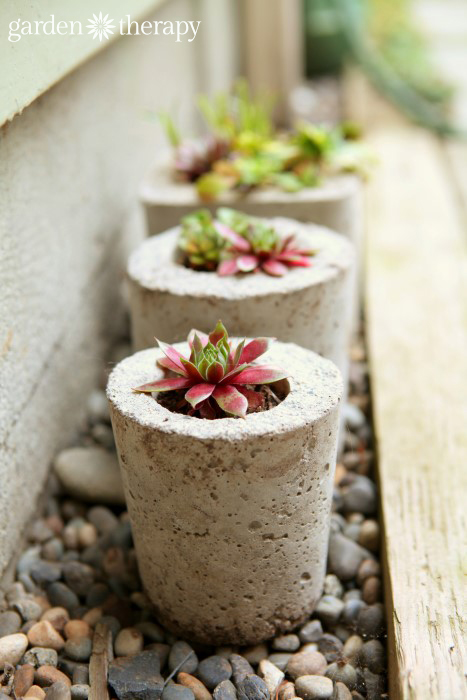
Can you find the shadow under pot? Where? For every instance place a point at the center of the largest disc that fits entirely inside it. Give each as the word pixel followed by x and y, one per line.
pixel 309 306
pixel 230 516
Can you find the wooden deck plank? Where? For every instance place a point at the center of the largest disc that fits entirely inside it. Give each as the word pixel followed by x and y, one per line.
pixel 416 310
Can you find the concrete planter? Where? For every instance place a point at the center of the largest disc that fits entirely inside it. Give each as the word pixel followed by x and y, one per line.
pixel 308 306
pixel 230 517
pixel 337 203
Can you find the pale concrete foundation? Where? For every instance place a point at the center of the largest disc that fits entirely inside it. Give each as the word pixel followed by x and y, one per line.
pixel 308 306
pixel 230 517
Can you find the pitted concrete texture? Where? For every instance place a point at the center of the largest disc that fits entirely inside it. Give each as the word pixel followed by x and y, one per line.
pixel 308 306
pixel 230 517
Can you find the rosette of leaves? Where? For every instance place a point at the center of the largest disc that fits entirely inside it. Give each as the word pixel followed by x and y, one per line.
pixel 253 245
pixel 200 242
pixel 217 379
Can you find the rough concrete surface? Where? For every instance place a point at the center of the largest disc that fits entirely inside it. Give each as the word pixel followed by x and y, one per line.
pixel 230 517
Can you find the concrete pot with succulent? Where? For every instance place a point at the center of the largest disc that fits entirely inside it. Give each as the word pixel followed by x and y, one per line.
pixel 277 277
pixel 308 173
pixel 227 466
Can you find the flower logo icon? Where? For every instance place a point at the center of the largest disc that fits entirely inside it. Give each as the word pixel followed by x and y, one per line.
pixel 100 26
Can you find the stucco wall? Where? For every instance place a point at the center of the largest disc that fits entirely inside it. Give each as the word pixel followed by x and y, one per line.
pixel 69 169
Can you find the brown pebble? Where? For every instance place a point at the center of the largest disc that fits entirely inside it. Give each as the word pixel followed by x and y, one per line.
pixel 199 689
pixel 368 567
pixel 369 535
pixel 306 663
pixel 55 523
pixel 93 616
pixel 128 641
pixel 48 675
pixel 24 678
pixel 371 590
pixel 340 473
pixel 43 634
pixel 43 602
pixel 58 617
pixel 77 628
pixel 286 691
pixel 87 535
pixel 114 562
pixel 35 692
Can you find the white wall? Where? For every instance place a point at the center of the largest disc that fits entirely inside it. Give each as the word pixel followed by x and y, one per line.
pixel 69 170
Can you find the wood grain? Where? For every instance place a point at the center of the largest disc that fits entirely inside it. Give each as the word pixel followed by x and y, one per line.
pixel 416 309
pixel 102 654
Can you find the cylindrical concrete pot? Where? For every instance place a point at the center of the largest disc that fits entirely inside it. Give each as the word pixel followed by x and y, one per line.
pixel 230 517
pixel 308 306
pixel 336 203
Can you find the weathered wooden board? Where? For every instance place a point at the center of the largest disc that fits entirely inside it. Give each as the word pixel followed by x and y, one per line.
pixel 416 312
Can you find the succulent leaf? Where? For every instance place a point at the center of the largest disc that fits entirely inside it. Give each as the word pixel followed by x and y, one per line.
pixel 216 374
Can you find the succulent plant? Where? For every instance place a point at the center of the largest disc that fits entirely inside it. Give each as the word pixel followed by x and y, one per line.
pixel 199 241
pixel 244 151
pixel 255 245
pixel 217 377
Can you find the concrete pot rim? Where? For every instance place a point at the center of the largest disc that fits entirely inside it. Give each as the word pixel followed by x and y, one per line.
pixel 152 266
pixel 159 187
pixel 315 390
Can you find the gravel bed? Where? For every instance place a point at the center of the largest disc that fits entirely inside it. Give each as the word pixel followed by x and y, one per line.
pixel 78 572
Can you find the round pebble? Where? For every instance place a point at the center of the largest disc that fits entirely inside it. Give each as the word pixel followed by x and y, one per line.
pixel 77 628
pixel 58 691
pixel 352 648
pixel 35 692
pixel 255 654
pixel 214 670
pixel 60 595
pixel 343 672
pixel 280 659
pixel 329 609
pixel 370 622
pixel 332 586
pixel 78 576
pixel 368 567
pixel 360 496
pixel 286 642
pixel 311 631
pixel 80 691
pixel 23 680
pixel 129 641
pixel 312 687
pixel 182 652
pixel 39 656
pixel 48 675
pixel 372 590
pixel 372 655
pixel 306 663
pixel 225 691
pixel 252 688
pixel 57 616
pixel 330 646
pixel 198 689
pixel 10 623
pixel 12 648
pixel 174 691
pixel 241 668
pixel 43 634
pixel 78 648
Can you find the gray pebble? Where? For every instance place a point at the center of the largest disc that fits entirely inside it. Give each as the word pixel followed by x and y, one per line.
pixel 78 576
pixel 225 691
pixel 29 557
pixel 28 583
pixel 360 496
pixel 341 692
pixel 330 646
pixel 373 656
pixel 93 556
pixel 286 642
pixel 60 595
pixel 40 656
pixel 214 670
pixel 345 556
pixel 352 594
pixel 314 687
pixel 174 691
pixel 329 609
pixel 45 572
pixel 352 609
pixel 151 631
pixel 374 685
pixel 81 674
pixel 162 651
pixel 80 691
pixel 311 631
pixel 353 416
pixel 178 653
pixel 53 549
pixel 352 531
pixel 370 621
pixel 58 691
pixel 103 435
pixel 280 660
pixel 352 648
pixel 342 632
pixel 40 532
pixel 78 648
pixel 241 668
pixel 10 623
pixel 252 688
pixel 103 519
pixel 338 522
pixel 343 672
pixel 28 608
pixel 121 536
pixel 332 586
pixel 98 408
